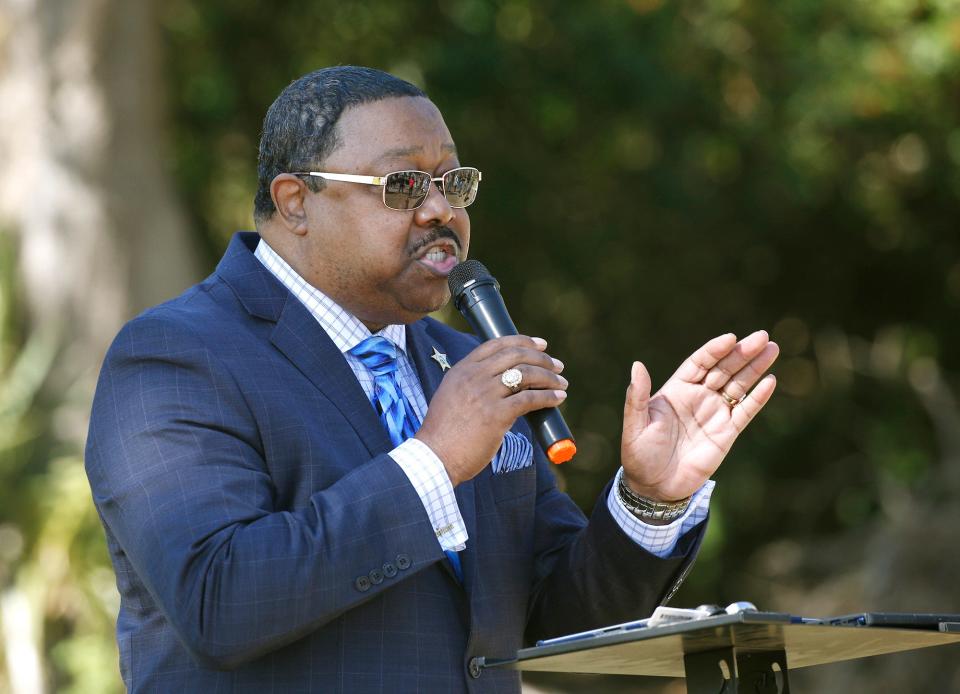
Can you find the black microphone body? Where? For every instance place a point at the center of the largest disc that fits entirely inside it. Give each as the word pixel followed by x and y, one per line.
pixel 476 294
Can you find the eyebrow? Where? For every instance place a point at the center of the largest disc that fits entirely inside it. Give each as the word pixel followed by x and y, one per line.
pixel 400 152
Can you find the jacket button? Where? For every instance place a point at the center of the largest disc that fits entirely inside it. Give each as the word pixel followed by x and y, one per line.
pixel 403 562
pixel 362 583
pixel 474 668
pixel 376 577
pixel 389 569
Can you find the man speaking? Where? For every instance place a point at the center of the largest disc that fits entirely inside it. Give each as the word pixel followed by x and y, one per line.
pixel 309 486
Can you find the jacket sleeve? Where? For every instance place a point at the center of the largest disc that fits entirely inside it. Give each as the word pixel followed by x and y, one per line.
pixel 592 574
pixel 175 463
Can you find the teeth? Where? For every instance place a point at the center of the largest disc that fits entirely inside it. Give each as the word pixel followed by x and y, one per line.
pixel 436 255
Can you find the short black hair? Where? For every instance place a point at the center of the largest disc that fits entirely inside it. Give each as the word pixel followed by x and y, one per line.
pixel 299 130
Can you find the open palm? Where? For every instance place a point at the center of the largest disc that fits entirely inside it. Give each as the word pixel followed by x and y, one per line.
pixel 675 440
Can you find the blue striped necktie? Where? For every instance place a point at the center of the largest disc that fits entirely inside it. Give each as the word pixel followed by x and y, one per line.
pixel 379 355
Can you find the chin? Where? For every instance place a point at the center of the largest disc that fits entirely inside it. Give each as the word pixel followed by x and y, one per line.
pixel 416 314
pixel 441 302
pixel 430 304
pixel 409 307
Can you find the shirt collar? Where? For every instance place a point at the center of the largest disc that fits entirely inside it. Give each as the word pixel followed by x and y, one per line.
pixel 343 327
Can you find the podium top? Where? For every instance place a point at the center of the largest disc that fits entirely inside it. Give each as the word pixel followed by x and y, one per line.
pixel 659 651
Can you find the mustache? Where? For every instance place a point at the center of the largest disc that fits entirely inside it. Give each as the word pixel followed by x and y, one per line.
pixel 435 234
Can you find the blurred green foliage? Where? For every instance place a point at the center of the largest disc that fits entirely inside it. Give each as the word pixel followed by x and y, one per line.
pixel 57 588
pixel 656 173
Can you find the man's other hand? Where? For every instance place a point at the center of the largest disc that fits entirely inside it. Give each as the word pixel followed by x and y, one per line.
pixel 675 440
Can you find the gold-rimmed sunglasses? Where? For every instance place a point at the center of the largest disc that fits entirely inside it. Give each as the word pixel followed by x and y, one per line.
pixel 407 190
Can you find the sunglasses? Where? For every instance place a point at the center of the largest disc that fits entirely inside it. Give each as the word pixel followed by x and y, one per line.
pixel 407 190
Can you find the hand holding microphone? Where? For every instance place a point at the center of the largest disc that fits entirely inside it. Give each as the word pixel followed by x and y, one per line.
pixel 476 295
pixel 472 409
pixel 478 399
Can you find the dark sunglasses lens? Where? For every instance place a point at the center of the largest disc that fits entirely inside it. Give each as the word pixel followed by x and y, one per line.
pixel 460 186
pixel 406 190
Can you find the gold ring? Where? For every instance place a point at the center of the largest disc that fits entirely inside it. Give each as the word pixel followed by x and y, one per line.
pixel 512 378
pixel 731 401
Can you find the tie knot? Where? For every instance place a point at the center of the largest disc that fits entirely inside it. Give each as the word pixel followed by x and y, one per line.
pixel 378 354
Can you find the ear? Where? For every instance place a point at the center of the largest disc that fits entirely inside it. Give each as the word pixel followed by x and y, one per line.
pixel 288 193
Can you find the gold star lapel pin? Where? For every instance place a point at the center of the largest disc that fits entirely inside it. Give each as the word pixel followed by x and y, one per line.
pixel 441 359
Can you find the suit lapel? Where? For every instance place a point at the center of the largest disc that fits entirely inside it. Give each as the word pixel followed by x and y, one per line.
pixel 301 339
pixel 420 345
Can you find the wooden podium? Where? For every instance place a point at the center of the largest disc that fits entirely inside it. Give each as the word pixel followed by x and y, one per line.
pixel 728 654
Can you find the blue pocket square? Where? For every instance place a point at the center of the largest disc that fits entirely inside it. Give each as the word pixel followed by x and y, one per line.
pixel 516 452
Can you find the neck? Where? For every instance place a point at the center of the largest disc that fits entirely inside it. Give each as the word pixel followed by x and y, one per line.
pixel 284 246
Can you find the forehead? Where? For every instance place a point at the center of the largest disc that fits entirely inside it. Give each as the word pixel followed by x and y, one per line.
pixel 396 128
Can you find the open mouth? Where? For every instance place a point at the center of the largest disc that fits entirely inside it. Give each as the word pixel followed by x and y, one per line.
pixel 440 257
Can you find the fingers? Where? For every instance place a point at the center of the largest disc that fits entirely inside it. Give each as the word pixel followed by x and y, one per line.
pixel 738 357
pixel 516 356
pixel 636 414
pixel 538 370
pixel 743 414
pixel 698 364
pixel 535 378
pixel 526 401
pixel 492 347
pixel 744 379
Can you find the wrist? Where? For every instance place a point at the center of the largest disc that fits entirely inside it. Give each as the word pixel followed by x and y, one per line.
pixel 647 492
pixel 650 509
pixel 449 465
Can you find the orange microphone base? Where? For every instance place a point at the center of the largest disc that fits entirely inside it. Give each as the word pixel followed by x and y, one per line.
pixel 562 451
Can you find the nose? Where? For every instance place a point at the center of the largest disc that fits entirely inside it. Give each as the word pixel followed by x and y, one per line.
pixel 435 210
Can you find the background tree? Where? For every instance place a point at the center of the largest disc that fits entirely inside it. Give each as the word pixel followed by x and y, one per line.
pixel 91 234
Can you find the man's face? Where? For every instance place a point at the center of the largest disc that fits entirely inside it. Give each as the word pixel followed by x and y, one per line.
pixel 385 266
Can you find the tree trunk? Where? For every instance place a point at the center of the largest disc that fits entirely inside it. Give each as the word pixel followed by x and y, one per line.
pixel 84 191
pixel 88 209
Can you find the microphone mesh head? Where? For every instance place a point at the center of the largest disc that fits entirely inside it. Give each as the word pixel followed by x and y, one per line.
pixel 463 273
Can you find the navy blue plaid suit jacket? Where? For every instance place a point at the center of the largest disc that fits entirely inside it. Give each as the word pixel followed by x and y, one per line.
pixel 244 484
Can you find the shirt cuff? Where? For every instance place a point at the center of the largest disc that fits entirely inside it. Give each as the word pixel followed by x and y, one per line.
pixel 430 480
pixel 659 540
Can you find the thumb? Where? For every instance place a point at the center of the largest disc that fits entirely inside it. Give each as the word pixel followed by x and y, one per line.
pixel 636 414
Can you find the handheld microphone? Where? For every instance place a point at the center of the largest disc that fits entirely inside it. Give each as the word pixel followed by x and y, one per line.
pixel 476 294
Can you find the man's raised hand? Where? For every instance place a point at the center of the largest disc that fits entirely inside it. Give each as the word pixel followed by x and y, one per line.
pixel 675 440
